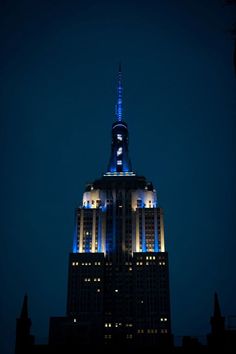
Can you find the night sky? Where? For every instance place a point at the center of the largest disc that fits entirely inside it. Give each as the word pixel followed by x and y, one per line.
pixel 58 69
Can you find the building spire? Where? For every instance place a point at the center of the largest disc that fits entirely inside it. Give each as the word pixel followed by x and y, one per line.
pixel 217 320
pixel 24 309
pixel 217 312
pixel 119 96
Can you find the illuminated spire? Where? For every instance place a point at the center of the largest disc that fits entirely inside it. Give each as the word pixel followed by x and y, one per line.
pixel 119 94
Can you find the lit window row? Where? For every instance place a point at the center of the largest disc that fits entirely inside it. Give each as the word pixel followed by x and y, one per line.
pixel 163 319
pixel 86 263
pixel 151 257
pixel 164 331
pixel 118 325
pixel 147 263
pixel 152 331
pixel 162 263
pixel 89 279
pixel 129 325
pixel 129 336
pixel 107 336
pixel 107 324
pixel 140 331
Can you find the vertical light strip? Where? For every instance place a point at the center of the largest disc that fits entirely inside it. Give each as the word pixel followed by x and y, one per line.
pixel 133 215
pixel 144 248
pixel 100 230
pixel 162 231
pixel 81 236
pixel 94 230
pixel 113 219
pixel 103 216
pixel 156 248
pixel 75 236
pixel 124 233
pixel 137 231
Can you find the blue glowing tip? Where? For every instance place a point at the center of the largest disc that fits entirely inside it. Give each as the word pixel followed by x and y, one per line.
pixel 119 92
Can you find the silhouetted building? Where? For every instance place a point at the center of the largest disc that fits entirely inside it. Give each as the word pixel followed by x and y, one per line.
pixel 216 339
pixel 118 286
pixel 24 340
pixel 220 339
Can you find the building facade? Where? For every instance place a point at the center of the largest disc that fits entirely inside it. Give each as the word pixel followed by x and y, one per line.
pixel 118 282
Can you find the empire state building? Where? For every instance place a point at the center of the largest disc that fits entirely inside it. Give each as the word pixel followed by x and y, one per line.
pixel 118 282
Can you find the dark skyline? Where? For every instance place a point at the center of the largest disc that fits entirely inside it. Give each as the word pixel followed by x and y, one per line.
pixel 58 89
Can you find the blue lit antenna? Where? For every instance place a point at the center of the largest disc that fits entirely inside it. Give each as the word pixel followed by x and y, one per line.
pixel 119 91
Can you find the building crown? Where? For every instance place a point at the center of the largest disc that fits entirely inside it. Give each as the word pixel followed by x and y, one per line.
pixel 119 163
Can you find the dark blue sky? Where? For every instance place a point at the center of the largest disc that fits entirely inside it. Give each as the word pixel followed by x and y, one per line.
pixel 58 68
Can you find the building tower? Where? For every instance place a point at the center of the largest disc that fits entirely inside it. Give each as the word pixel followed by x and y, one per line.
pixel 118 284
pixel 217 337
pixel 24 340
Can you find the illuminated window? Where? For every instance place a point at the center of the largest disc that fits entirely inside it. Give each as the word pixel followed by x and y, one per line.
pixel 119 137
pixel 76 263
pixel 98 290
pixel 116 290
pixel 129 336
pixel 119 162
pixel 98 279
pixel 163 330
pixel 73 263
pixel 119 151
pixel 74 320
